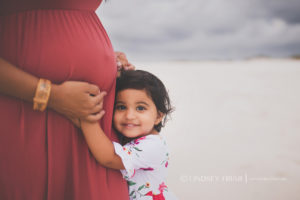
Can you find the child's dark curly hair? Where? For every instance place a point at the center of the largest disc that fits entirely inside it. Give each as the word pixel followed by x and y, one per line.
pixel 142 80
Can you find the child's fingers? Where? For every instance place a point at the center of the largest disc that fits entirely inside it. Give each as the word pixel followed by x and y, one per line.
pixel 95 117
pixel 129 67
pixel 97 108
pixel 119 64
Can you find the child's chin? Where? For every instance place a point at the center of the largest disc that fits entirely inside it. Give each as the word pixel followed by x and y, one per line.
pixel 132 135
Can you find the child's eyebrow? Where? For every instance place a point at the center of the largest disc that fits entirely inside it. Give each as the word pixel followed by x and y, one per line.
pixel 119 102
pixel 142 102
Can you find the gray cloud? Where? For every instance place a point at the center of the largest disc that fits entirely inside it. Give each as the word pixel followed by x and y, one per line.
pixel 196 29
pixel 286 10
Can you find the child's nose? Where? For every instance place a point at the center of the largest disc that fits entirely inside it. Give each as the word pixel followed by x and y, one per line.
pixel 130 114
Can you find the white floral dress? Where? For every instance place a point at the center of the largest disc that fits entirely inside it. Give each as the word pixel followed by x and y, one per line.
pixel 145 160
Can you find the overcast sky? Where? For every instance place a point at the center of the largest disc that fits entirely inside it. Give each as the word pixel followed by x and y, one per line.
pixel 198 29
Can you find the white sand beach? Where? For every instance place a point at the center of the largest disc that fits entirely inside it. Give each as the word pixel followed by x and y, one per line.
pixel 235 133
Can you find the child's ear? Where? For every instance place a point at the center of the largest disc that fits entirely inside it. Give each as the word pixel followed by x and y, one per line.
pixel 159 117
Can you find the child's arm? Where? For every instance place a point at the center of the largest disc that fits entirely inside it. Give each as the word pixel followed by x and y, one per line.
pixel 101 146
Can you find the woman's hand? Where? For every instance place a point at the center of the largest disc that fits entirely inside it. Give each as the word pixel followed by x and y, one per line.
pixel 75 121
pixel 77 100
pixel 73 99
pixel 122 62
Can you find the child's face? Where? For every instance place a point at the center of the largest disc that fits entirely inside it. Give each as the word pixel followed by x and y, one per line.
pixel 135 113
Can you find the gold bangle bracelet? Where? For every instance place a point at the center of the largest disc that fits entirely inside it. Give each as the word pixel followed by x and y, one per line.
pixel 42 95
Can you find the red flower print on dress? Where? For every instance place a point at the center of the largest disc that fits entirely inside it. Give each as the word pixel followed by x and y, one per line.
pixel 147 169
pixel 166 165
pixel 162 186
pixel 156 196
pixel 136 141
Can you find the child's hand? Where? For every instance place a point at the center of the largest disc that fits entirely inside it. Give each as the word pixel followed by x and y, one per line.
pixel 122 62
pixel 84 123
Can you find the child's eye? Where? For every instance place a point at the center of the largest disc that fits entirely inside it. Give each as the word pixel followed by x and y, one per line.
pixel 120 107
pixel 140 108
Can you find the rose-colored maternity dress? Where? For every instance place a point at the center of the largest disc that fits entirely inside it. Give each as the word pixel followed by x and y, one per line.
pixel 42 155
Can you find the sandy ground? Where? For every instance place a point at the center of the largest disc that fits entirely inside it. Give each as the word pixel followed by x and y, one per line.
pixel 235 133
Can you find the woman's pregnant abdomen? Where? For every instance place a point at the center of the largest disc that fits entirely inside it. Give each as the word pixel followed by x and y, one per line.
pixel 60 45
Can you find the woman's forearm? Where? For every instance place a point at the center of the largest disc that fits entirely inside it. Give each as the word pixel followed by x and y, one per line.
pixel 71 98
pixel 101 146
pixel 15 82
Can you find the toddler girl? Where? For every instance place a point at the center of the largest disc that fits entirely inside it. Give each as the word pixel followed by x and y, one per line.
pixel 141 106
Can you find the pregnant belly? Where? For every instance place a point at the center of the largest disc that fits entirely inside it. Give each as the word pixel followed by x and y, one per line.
pixel 60 45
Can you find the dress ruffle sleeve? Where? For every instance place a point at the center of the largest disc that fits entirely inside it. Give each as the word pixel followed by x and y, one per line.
pixel 144 153
pixel 129 168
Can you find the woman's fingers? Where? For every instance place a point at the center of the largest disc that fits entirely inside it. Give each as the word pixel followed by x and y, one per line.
pixel 92 102
pixel 98 98
pixel 76 99
pixel 97 103
pixel 92 89
pixel 97 110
